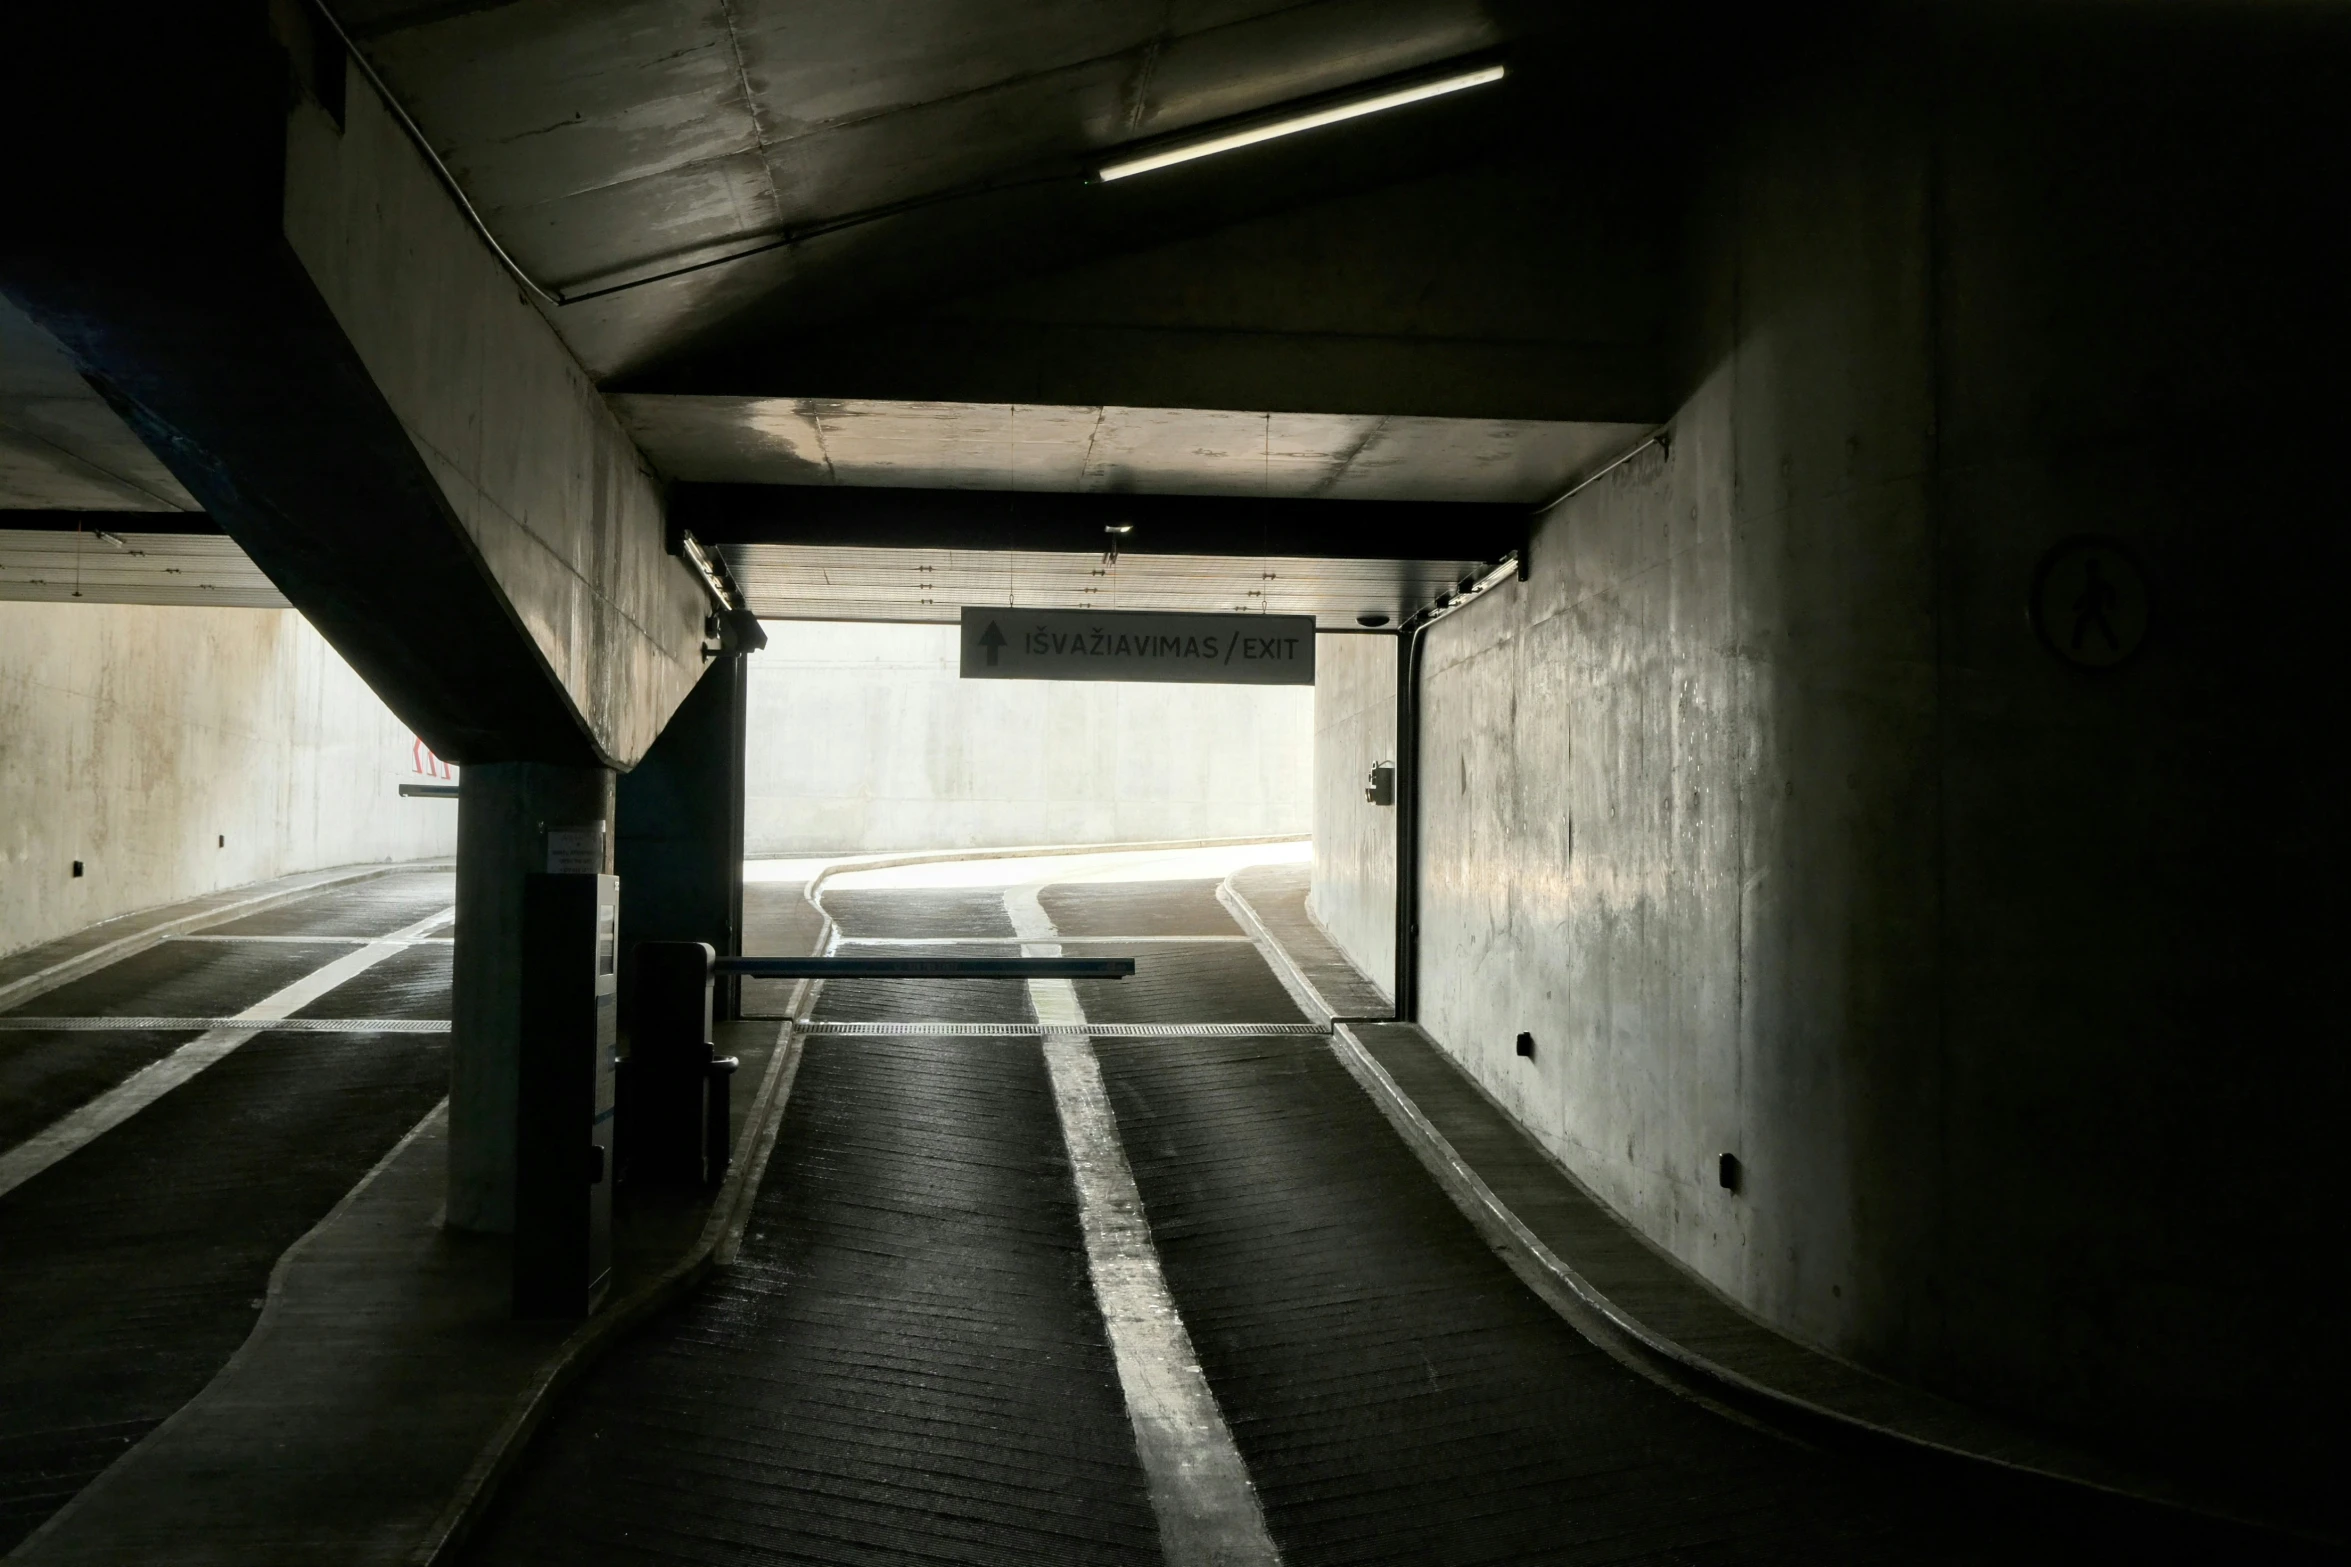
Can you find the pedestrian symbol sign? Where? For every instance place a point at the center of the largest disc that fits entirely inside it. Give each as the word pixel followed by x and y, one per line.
pixel 2090 603
pixel 1068 644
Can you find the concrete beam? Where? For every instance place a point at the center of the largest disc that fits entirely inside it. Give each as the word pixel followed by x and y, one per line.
pixel 1225 525
pixel 1135 364
pixel 1496 291
pixel 335 366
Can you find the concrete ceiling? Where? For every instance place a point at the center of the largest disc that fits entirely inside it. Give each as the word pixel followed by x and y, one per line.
pixel 1393 292
pixel 1154 451
pixel 61 447
pixel 1268 316
pixel 800 582
pixel 121 565
pixel 609 140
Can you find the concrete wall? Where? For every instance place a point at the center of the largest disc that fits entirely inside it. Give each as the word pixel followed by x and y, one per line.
pixel 863 737
pixel 1762 807
pixel 1354 893
pixel 136 738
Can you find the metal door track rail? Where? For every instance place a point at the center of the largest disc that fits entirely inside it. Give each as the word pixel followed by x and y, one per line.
pixel 925 968
pixel 1040 1030
pixel 18 1023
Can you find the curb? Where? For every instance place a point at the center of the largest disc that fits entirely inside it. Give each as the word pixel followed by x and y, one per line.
pixel 67 970
pixel 814 890
pixel 1616 1333
pixel 1584 1308
pixel 1294 980
pixel 720 1241
pixel 882 862
pixel 272 1296
pixel 1641 1348
pixel 721 1231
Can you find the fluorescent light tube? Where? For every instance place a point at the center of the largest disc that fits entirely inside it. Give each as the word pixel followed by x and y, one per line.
pixel 709 573
pixel 1210 146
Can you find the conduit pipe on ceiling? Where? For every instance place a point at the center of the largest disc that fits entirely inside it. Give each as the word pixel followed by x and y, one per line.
pixel 1661 436
pixel 559 297
pixel 440 169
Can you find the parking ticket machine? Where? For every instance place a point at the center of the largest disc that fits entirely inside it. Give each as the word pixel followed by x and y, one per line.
pixel 563 1168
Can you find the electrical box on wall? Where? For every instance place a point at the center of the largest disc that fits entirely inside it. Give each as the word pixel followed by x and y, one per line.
pixel 1379 787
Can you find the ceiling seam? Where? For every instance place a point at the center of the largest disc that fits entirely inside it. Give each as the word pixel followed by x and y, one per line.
pixel 775 197
pixel 1093 437
pixel 1083 63
pixel 1347 459
pixel 824 448
pixel 1147 71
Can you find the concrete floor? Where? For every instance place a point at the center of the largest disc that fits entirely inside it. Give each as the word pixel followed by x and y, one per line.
pixel 910 1358
pixel 137 1264
pixel 906 1364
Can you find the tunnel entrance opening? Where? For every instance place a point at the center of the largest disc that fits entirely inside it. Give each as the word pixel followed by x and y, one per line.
pixel 864 739
pixel 864 742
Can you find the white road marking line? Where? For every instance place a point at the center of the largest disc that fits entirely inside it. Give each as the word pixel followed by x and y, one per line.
pixel 18 1023
pixel 323 941
pixel 150 1083
pixel 1207 1509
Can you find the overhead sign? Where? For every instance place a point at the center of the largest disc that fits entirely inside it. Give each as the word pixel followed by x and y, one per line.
pixel 1070 644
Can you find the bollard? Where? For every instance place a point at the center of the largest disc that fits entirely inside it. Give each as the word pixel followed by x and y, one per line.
pixel 676 1090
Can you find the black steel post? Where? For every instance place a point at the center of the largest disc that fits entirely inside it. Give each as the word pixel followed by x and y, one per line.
pixel 1406 983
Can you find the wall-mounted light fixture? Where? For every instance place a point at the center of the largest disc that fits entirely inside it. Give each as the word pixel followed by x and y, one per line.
pixel 1307 120
pixel 699 558
pixel 735 625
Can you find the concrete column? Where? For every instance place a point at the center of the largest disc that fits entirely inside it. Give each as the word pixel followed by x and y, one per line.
pixel 503 817
pixel 679 849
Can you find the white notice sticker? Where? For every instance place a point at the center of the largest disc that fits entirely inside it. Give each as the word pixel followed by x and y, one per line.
pixel 576 851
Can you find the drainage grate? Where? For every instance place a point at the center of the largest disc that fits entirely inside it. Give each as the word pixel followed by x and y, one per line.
pixel 18 1024
pixel 1039 1030
pixel 1025 941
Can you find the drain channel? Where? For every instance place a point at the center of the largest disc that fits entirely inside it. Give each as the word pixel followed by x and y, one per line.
pixel 806 1026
